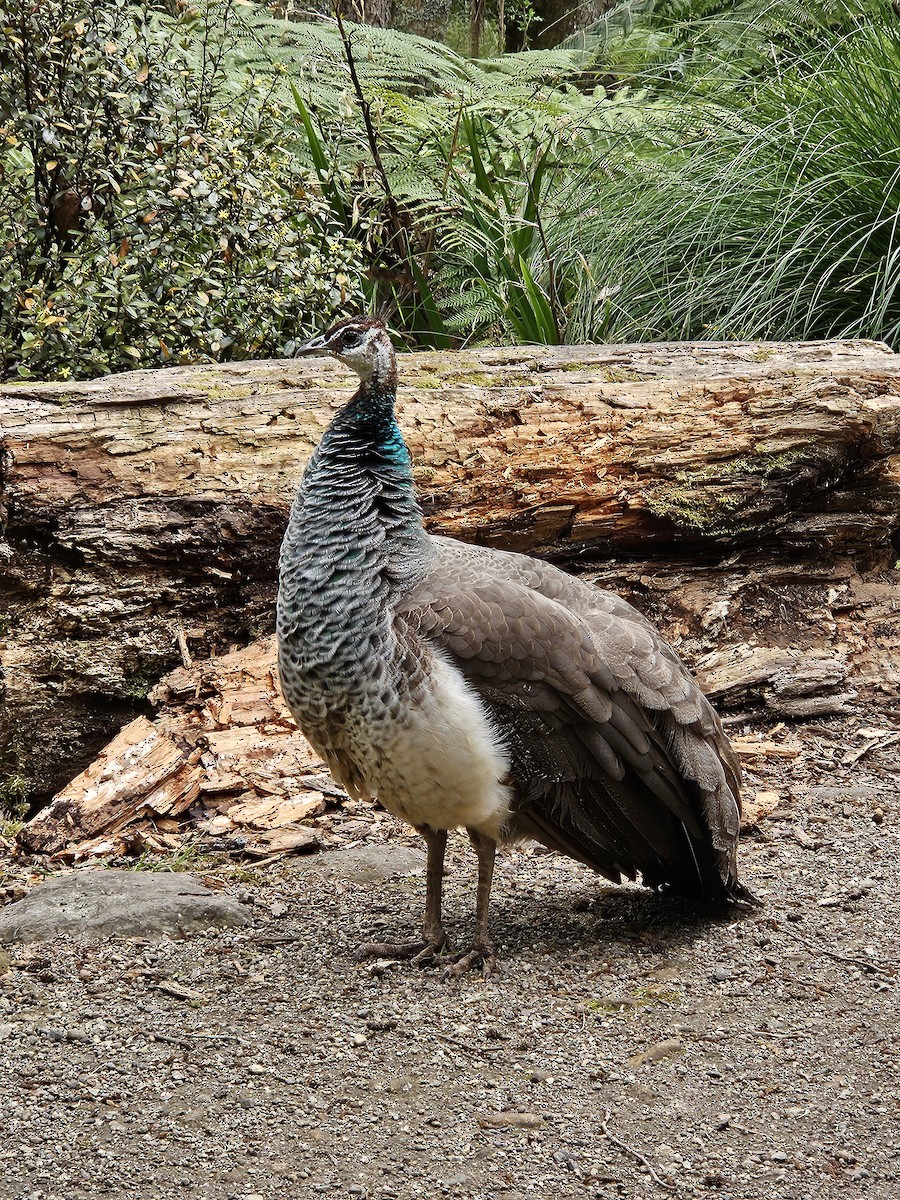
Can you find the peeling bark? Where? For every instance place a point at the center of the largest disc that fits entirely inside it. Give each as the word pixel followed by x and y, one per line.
pixel 224 747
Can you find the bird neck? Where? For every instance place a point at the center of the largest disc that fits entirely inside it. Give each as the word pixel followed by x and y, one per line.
pixel 366 427
pixel 355 540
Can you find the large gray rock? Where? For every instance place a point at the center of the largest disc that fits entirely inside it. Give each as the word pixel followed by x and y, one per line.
pixel 132 903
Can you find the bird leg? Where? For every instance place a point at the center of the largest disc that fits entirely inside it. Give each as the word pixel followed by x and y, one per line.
pixel 482 949
pixel 433 938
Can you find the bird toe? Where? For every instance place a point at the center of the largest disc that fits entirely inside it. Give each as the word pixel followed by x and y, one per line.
pixel 482 953
pixel 419 951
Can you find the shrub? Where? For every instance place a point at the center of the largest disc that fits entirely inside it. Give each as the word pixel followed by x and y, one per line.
pixel 150 211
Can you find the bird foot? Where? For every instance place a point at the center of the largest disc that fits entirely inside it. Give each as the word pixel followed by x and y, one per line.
pixel 480 952
pixel 418 952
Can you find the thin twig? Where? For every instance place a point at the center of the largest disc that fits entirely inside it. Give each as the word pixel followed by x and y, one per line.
pixel 170 1041
pixel 363 103
pixel 864 963
pixel 879 744
pixel 396 223
pixel 278 939
pixel 442 1037
pixel 179 1041
pixel 615 1141
pixel 371 136
pixel 213 1037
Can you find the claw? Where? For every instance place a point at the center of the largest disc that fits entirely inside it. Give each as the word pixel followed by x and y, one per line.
pixel 481 952
pixel 430 952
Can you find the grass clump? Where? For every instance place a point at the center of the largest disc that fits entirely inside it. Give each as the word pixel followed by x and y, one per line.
pixel 766 209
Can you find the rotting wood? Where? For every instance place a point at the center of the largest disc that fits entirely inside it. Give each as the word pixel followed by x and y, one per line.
pixel 223 746
pixel 143 512
pixel 140 767
pixel 791 683
pixel 750 747
pixel 800 637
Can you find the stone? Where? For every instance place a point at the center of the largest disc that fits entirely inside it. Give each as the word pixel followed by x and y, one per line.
pixel 510 1120
pixel 96 903
pixel 657 1052
pixel 363 864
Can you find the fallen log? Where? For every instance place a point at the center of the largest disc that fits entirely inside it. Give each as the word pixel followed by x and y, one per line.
pixel 142 513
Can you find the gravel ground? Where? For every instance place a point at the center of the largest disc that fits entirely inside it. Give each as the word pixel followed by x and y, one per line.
pixel 627 1047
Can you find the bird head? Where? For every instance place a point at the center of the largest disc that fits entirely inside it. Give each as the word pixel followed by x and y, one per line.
pixel 362 343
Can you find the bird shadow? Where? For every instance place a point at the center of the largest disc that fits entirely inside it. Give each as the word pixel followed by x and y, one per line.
pixel 570 914
pixel 612 921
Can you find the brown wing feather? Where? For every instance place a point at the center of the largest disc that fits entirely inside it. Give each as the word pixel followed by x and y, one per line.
pixel 618 758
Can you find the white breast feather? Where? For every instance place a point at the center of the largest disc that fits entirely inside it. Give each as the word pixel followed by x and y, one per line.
pixel 444 766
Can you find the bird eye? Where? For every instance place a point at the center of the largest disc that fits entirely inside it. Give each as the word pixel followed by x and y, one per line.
pixel 352 339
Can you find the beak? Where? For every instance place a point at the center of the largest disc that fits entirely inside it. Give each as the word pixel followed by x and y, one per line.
pixel 316 346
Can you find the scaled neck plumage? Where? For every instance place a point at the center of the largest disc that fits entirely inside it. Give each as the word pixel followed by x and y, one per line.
pixel 355 541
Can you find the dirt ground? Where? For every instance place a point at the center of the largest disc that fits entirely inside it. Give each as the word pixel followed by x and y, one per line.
pixel 627 1047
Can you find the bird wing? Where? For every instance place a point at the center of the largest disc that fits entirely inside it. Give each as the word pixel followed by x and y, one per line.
pixel 617 758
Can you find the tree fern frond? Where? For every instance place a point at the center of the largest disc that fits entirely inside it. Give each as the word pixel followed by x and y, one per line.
pixel 389 60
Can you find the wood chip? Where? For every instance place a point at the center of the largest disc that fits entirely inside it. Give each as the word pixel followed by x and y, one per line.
pixel 276 810
pixel 657 1052
pixel 853 756
pixel 759 808
pixel 179 990
pixel 280 841
pixel 751 747
pixel 216 826
pixel 213 784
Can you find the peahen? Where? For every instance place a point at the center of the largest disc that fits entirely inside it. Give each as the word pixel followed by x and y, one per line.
pixel 466 686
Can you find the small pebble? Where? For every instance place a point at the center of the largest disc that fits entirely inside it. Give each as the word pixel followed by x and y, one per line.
pixel 540 1076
